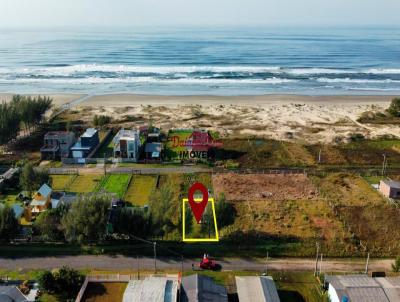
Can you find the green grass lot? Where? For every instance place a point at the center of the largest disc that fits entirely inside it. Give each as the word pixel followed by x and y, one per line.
pixel 85 183
pixel 374 180
pixel 61 182
pixel 116 183
pixel 140 189
pixel 9 197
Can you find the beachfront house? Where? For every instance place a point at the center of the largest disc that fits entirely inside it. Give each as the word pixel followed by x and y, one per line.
pixel 57 144
pixel 390 188
pixel 85 145
pixel 152 152
pixel 256 289
pixel 41 200
pixel 361 288
pixel 126 145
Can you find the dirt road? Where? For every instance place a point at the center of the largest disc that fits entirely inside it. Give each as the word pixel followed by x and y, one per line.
pixel 147 263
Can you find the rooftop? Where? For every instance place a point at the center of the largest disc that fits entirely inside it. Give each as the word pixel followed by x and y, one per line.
pixel 155 289
pixel 89 132
pixel 256 289
pixel 362 288
pixel 202 288
pixel 392 183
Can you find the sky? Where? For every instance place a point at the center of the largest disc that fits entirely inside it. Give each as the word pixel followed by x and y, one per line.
pixel 50 13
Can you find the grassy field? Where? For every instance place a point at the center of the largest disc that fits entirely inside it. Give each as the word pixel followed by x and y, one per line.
pixel 104 292
pixel 140 189
pixel 85 183
pixel 116 183
pixel 348 190
pixel 60 182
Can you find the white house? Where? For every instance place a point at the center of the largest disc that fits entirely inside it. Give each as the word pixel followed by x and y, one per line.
pixel 126 144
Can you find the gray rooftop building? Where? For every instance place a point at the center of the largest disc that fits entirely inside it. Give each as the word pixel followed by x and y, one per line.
pixel 199 288
pixel 362 288
pixel 256 289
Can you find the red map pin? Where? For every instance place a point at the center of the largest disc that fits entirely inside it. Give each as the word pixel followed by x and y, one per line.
pixel 198 207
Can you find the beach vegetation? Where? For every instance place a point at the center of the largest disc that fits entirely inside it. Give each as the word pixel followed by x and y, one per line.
pixel 101 120
pixel 394 108
pixel 396 265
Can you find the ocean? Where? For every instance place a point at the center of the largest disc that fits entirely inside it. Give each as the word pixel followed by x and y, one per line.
pixel 224 61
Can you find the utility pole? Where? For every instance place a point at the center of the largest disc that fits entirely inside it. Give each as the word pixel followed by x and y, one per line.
pixel 320 266
pixel 181 265
pixel 384 163
pixel 137 263
pixel 316 261
pixel 105 169
pixel 266 264
pixel 319 156
pixel 155 257
pixel 366 265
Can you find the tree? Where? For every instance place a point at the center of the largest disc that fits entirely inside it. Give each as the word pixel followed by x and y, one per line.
pixel 86 221
pixel 31 179
pixel 131 222
pixel 396 265
pixel 65 283
pixel 9 123
pixel 8 224
pixel 161 210
pixel 225 212
pixel 394 108
pixel 46 282
pixel 48 224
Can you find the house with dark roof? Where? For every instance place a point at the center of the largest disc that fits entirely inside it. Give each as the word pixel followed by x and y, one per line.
pixel 153 152
pixel 11 293
pixel 57 144
pixel 85 145
pixel 199 288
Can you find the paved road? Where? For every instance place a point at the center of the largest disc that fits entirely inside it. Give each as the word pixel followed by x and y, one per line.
pixel 147 263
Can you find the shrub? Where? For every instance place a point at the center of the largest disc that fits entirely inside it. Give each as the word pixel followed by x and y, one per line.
pixel 396 265
pixel 394 108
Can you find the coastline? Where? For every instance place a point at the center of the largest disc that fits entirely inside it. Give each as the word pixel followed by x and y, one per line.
pixel 310 119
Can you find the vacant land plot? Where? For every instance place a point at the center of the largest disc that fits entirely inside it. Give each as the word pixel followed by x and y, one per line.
pixel 264 186
pixel 85 183
pixel 116 183
pixel 104 292
pixel 140 189
pixel 348 189
pixel 300 219
pixel 60 182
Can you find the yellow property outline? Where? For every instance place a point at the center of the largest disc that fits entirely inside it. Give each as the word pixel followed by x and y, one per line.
pixel 216 239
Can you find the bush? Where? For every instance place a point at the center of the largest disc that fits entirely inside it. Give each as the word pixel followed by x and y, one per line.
pixel 394 108
pixel 225 212
pixel 64 283
pixel 396 265
pixel 101 120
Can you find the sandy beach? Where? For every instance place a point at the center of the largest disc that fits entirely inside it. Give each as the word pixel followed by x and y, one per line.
pixel 285 117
